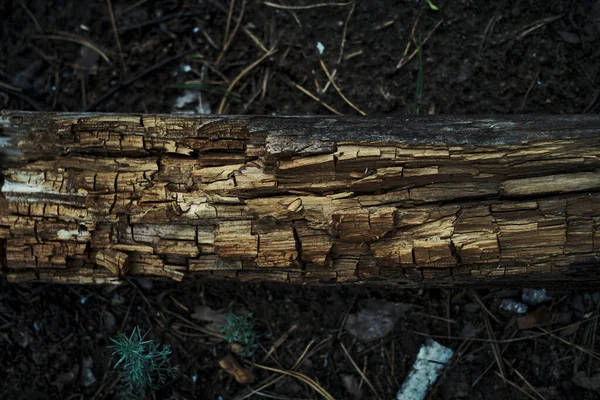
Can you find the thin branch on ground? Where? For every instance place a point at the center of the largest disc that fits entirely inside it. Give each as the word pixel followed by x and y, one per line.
pixel 301 377
pixel 519 388
pixel 495 348
pixel 133 6
pixel 229 39
pixel 589 352
pixel 345 31
pixel 315 98
pixel 228 25
pixel 113 23
pixel 359 371
pixel 404 60
pixel 33 18
pixel 76 39
pixel 336 87
pixel 280 341
pixel 269 381
pixel 484 307
pixel 533 81
pixel 306 7
pixel 526 382
pixel 500 341
pixel 241 75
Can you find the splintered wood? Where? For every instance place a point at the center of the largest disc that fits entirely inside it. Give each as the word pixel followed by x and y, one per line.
pixel 91 198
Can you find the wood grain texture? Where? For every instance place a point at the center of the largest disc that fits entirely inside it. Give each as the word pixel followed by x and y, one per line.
pixel 435 200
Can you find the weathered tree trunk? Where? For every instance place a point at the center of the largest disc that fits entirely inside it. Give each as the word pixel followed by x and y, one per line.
pixel 90 197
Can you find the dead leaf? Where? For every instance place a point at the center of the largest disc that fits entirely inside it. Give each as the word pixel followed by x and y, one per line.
pixel 376 319
pixel 351 384
pixel 208 314
pixel 232 366
pixel 569 37
pixel 540 316
pixel 569 330
pixel 587 382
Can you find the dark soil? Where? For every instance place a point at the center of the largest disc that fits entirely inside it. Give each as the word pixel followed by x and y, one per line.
pixel 484 57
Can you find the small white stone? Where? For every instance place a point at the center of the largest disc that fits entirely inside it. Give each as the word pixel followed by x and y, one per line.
pixel 320 48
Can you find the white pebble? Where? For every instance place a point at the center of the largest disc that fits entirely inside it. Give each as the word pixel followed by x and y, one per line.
pixel 320 48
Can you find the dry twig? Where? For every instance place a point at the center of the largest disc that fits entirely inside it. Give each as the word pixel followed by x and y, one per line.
pixel 241 75
pixel 113 23
pixel 301 377
pixel 306 7
pixel 315 98
pixel 362 375
pixel 345 31
pixel 519 388
pixel 404 60
pixel 68 37
pixel 229 40
pixel 361 112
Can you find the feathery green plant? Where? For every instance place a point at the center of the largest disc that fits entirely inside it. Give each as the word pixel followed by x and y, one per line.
pixel 144 363
pixel 240 329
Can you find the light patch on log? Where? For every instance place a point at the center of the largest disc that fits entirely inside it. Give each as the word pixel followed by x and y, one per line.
pixel 114 261
pixel 213 174
pixel 211 262
pixel 17 187
pixel 132 247
pixel 278 144
pixel 253 176
pixel 234 240
pixel 277 247
pixel 64 234
pixel 363 225
pixel 177 247
pixel 321 160
pixel 420 171
pixel 563 183
pixel 153 233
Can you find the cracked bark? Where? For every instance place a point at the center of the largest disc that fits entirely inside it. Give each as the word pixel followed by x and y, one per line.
pixel 434 200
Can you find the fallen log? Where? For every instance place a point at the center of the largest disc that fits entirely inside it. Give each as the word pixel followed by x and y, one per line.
pixel 438 200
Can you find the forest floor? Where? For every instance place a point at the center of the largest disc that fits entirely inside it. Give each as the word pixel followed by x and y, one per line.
pixel 390 57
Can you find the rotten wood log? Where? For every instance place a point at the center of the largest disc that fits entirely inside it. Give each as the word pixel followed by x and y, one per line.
pixel 437 200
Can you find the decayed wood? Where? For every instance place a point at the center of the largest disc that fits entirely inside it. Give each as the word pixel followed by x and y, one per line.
pixel 89 198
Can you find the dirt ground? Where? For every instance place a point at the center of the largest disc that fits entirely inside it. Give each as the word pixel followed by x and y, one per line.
pixel 265 58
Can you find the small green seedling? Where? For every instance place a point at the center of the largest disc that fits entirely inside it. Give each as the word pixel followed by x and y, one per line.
pixel 431 5
pixel 240 329
pixel 144 363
